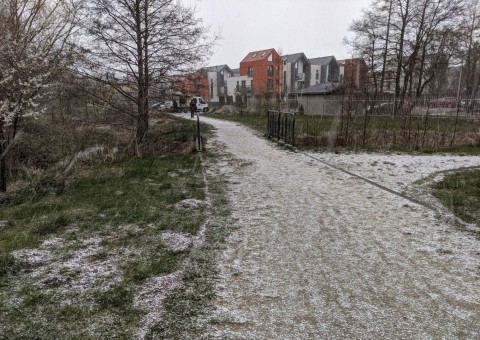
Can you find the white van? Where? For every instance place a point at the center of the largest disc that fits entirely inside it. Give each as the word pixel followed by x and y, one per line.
pixel 201 104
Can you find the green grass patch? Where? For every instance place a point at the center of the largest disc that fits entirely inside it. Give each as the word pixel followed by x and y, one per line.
pixel 256 121
pixel 103 232
pixel 460 192
pixel 136 190
pixel 167 262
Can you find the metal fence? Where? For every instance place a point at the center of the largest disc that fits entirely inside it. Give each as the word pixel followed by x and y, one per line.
pixel 331 105
pixel 281 126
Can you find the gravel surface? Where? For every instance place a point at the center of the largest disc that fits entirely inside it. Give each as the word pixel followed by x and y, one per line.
pixel 321 254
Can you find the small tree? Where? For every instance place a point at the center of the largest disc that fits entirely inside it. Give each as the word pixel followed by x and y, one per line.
pixel 140 43
pixel 35 46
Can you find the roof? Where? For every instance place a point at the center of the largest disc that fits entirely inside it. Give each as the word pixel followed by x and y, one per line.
pixel 325 88
pixel 258 55
pixel 236 72
pixel 291 58
pixel 321 60
pixel 217 68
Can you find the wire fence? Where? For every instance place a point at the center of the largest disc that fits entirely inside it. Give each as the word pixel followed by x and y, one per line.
pixel 328 105
pixel 387 123
pixel 387 131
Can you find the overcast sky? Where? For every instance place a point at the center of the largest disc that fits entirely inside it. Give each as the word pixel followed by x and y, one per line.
pixel 315 27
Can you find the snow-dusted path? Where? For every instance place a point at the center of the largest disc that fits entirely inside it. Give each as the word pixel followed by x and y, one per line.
pixel 322 254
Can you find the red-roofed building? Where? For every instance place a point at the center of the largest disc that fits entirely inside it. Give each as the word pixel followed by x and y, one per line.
pixel 265 67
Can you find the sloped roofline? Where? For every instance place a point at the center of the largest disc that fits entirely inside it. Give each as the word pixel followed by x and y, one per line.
pixel 322 60
pixel 291 58
pixel 257 55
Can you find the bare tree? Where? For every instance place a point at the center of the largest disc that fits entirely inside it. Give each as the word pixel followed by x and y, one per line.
pixel 406 41
pixel 35 46
pixel 471 49
pixel 136 44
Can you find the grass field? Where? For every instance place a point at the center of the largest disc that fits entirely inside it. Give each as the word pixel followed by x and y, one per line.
pixel 460 192
pixel 76 255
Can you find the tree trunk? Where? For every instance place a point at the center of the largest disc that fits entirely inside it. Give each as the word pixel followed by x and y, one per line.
pixel 401 40
pixel 3 165
pixel 142 114
pixel 385 51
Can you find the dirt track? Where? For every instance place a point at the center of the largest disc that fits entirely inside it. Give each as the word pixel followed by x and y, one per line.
pixel 322 254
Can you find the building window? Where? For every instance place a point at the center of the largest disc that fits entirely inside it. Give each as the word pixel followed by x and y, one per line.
pixel 211 88
pixel 269 84
pixel 270 57
pixel 270 70
pixel 254 55
pixel 317 75
pixel 296 65
pixel 250 71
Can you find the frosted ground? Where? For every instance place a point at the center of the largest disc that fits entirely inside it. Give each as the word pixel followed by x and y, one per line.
pixel 319 253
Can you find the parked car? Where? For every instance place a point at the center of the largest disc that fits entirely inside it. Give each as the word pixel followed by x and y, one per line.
pixel 168 104
pixel 157 104
pixel 471 105
pixel 389 108
pixel 444 102
pixel 382 108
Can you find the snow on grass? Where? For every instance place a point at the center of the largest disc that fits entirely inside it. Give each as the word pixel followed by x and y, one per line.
pixel 71 270
pixel 150 298
pixel 397 171
pixel 176 241
pixel 189 203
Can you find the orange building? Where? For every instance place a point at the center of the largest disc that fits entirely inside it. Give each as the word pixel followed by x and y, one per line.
pixel 266 70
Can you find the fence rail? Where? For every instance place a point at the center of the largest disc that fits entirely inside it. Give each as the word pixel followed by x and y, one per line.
pixel 281 126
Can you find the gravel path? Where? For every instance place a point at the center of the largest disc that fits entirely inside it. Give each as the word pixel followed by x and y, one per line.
pixel 321 254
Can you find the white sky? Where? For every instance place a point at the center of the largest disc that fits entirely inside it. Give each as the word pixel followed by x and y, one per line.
pixel 315 27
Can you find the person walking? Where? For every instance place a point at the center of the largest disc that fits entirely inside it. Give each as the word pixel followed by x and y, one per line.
pixel 193 107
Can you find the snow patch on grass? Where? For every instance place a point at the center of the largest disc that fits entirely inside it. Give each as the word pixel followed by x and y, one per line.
pixel 176 241
pixel 150 298
pixel 189 203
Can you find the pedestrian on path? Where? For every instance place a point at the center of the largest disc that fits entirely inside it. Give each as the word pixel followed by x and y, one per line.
pixel 193 107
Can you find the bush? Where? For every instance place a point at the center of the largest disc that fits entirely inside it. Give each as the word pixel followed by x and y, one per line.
pixel 37 189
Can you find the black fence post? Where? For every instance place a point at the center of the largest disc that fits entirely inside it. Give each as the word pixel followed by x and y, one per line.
pixel 199 137
pixel 293 130
pixel 281 126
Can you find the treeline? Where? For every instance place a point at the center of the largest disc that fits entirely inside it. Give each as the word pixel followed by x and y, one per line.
pixel 413 47
pixel 98 57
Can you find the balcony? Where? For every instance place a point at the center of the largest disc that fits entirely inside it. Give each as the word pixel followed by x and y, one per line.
pixel 300 77
pixel 244 89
